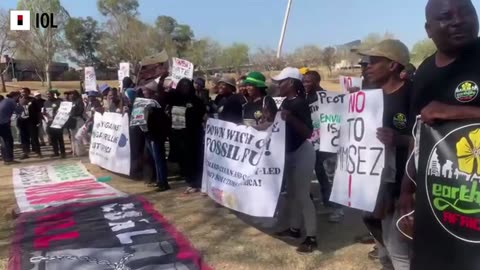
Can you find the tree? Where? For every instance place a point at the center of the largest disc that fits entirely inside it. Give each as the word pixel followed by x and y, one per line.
pixel 182 36
pixel 266 59
pixel 422 49
pixel 166 24
pixel 204 53
pixel 329 58
pixel 42 44
pixel 306 56
pixel 124 36
pixel 117 43
pixel 234 56
pixel 7 45
pixel 118 8
pixel 83 37
pixel 177 38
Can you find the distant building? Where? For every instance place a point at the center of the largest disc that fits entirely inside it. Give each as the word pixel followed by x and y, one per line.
pixel 24 69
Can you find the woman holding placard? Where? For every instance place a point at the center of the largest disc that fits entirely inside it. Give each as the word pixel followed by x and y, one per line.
pixel 300 158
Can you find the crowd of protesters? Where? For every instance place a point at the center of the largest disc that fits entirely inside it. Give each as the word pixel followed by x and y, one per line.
pixel 177 116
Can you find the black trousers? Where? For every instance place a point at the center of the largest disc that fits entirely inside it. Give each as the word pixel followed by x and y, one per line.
pixel 29 136
pixel 7 146
pixel 56 140
pixel 374 226
pixel 188 152
pixel 322 164
pixel 137 150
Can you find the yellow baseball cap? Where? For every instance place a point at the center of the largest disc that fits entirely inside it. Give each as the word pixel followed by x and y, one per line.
pixel 391 49
pixel 304 70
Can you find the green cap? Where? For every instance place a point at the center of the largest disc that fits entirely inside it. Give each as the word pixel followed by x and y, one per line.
pixel 391 49
pixel 256 79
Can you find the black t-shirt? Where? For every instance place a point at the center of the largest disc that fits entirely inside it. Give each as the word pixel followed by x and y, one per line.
pixel 313 96
pixel 230 108
pixel 434 247
pixel 32 113
pixel 396 116
pixel 455 84
pixel 299 108
pixel 253 111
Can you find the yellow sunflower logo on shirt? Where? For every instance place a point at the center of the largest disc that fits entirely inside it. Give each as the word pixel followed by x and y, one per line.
pixel 400 121
pixel 466 91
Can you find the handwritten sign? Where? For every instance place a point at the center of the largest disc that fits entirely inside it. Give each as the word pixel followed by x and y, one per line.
pixel 90 79
pixel 63 114
pixel 139 114
pixel 348 82
pixel 181 69
pixel 330 108
pixel 123 72
pixel 178 117
pixel 361 156
pixel 110 142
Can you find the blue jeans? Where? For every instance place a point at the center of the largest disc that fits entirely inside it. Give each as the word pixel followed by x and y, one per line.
pixel 157 150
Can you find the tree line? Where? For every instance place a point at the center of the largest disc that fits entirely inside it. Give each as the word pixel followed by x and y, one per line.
pixel 124 37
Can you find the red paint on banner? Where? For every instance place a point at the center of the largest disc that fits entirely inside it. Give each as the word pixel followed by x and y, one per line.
pixel 44 241
pixel 355 104
pixel 349 190
pixel 49 224
pixel 84 189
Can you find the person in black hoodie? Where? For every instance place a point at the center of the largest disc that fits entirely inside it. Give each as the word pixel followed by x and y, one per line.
pixel 156 132
pixel 188 112
pixel 28 123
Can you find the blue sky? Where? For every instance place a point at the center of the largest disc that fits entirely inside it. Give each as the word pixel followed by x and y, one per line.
pixel 258 22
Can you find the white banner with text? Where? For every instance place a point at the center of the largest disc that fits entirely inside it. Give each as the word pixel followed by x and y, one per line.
pixel 243 167
pixel 110 142
pixel 361 156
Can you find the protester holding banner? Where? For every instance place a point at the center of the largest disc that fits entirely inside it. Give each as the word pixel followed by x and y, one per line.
pixel 387 60
pixel 156 131
pixel 445 95
pixel 300 158
pixel 260 107
pixel 186 139
pixel 56 135
pixel 324 162
pixel 228 105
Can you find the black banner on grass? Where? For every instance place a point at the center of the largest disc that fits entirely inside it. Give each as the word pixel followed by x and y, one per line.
pixel 447 217
pixel 125 233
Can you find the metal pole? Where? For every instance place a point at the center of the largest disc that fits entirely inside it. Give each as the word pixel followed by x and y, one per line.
pixel 284 28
